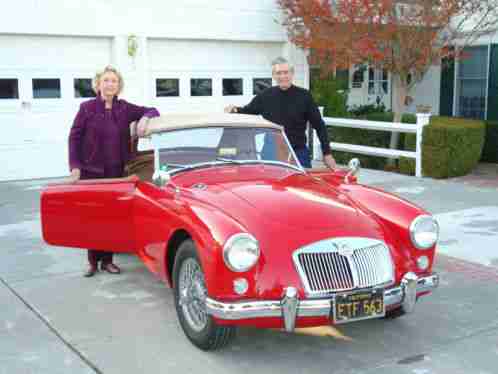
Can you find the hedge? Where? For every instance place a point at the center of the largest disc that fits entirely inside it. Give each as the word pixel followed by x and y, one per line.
pixel 451 147
pixel 490 151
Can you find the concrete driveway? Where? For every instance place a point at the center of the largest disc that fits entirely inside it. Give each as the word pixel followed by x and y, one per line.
pixel 52 320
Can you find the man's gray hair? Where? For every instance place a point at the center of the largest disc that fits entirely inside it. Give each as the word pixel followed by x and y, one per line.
pixel 279 61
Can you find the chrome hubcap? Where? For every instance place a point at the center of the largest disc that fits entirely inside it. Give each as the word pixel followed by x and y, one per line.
pixel 192 294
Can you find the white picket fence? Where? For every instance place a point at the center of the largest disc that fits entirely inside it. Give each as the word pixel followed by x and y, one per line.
pixel 422 120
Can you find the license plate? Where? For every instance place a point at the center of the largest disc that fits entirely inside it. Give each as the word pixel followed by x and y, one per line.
pixel 356 306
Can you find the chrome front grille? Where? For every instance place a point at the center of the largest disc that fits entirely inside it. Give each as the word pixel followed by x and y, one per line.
pixel 342 264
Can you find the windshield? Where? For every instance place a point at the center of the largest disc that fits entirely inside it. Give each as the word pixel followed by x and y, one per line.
pixel 185 148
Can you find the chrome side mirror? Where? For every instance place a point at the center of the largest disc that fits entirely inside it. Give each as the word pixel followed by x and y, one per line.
pixel 160 178
pixel 353 168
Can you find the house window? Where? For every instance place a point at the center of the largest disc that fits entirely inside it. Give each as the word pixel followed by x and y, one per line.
pixel 377 82
pixel 357 79
pixel 46 88
pixel 83 87
pixel 260 84
pixel 471 83
pixel 9 89
pixel 201 87
pixel 232 87
pixel 166 87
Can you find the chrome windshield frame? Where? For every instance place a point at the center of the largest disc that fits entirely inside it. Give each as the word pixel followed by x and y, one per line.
pixel 156 147
pixel 238 163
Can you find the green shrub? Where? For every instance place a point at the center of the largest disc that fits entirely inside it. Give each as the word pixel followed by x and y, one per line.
pixel 451 147
pixel 363 110
pixel 407 165
pixel 332 94
pixel 490 151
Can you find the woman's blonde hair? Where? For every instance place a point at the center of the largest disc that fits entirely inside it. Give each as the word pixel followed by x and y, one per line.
pixel 99 74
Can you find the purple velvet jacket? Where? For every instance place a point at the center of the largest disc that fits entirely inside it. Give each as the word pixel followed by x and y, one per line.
pixel 85 150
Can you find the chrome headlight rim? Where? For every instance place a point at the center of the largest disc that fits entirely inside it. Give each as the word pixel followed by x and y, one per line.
pixel 413 226
pixel 229 245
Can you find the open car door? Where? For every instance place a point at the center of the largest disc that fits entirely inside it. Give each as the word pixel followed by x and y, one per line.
pixel 90 214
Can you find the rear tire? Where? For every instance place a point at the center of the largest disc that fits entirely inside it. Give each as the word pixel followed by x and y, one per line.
pixel 190 295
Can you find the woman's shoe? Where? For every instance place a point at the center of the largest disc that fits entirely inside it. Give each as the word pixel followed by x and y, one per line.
pixel 91 271
pixel 110 268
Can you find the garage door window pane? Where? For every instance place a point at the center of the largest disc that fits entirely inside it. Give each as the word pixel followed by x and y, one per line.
pixel 201 87
pixel 232 87
pixel 83 87
pixel 167 87
pixel 260 84
pixel 9 89
pixel 46 88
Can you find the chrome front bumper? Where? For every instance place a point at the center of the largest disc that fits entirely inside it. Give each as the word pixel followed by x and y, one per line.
pixel 290 307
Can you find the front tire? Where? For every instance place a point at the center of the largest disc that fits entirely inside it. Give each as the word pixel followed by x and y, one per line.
pixel 190 302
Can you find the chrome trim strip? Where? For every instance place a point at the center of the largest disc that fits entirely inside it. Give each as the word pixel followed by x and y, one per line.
pixel 305 308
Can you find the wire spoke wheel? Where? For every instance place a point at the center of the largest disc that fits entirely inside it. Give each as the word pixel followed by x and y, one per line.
pixel 193 294
pixel 190 302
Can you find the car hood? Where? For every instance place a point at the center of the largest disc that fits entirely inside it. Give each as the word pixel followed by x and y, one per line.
pixel 296 201
pixel 300 202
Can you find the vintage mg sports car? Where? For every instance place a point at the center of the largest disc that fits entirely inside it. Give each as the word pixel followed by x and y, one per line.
pixel 222 211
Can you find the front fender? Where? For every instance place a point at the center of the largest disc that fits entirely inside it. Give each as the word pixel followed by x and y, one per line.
pixel 210 228
pixel 396 214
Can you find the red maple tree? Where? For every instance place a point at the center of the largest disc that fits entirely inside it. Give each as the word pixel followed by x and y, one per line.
pixel 404 37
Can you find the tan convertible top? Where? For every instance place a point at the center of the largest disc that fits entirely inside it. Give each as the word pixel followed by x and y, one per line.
pixel 185 121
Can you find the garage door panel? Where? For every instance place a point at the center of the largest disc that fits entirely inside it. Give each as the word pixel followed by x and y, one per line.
pixel 38 122
pixel 31 51
pixel 194 55
pixel 216 60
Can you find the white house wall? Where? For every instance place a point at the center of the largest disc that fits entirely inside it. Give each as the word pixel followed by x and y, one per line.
pixel 197 19
pixel 427 92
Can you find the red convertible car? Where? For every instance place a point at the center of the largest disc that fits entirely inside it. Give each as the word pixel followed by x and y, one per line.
pixel 224 213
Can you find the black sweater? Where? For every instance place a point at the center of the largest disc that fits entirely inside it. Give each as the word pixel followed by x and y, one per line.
pixel 292 109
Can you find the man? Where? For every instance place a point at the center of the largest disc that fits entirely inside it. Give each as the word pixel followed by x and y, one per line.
pixel 291 107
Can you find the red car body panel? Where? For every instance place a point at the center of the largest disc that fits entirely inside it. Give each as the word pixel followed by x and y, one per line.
pixel 282 208
pixel 90 214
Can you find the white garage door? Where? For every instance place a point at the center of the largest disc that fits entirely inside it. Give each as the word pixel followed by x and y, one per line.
pixel 43 80
pixel 195 75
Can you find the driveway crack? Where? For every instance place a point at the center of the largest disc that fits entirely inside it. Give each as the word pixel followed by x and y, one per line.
pixel 71 347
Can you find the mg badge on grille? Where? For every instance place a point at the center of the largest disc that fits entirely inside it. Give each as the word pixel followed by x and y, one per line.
pixel 345 250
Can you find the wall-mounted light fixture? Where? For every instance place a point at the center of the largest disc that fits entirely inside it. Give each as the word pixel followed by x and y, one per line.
pixel 132 45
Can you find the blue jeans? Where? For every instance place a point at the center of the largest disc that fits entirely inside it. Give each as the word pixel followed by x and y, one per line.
pixel 304 157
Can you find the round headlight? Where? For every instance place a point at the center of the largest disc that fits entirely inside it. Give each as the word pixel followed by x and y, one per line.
pixel 424 232
pixel 241 252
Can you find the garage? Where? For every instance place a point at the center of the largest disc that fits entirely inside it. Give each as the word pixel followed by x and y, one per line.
pixel 43 79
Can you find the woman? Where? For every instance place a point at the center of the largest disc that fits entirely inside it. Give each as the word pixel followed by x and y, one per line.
pixel 99 142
